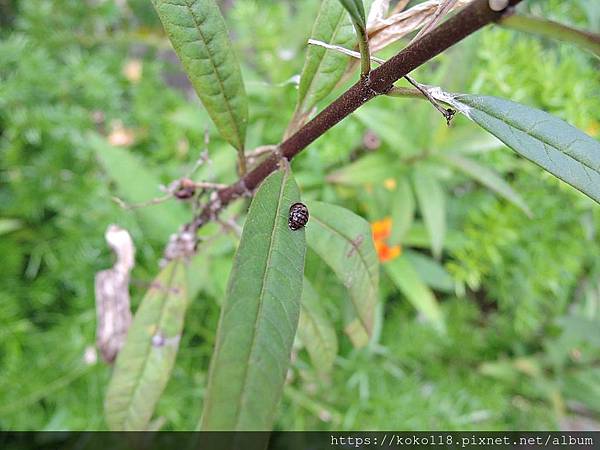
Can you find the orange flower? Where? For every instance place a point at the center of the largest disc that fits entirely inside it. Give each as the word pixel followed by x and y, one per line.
pixel 382 229
pixel 386 253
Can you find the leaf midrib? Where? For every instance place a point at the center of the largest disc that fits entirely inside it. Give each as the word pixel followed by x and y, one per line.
pixel 148 347
pixel 243 394
pixel 316 327
pixel 302 104
pixel 215 70
pixel 533 134
pixel 358 251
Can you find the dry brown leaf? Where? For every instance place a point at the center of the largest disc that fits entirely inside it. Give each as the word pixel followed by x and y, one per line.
pixel 444 8
pixel 398 25
pixel 112 295
pixel 378 11
pixel 400 6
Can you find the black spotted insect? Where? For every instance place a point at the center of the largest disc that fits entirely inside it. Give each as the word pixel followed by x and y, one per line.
pixel 298 216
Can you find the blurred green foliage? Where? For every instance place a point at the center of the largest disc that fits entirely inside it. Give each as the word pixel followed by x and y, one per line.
pixel 522 341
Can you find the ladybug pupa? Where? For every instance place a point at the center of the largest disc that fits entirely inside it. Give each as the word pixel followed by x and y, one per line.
pixel 298 216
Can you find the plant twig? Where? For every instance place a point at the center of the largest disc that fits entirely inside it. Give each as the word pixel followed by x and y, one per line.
pixel 444 8
pixel 447 113
pixel 473 17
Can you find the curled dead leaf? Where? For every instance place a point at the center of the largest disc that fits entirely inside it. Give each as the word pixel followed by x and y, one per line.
pixel 388 30
pixel 112 295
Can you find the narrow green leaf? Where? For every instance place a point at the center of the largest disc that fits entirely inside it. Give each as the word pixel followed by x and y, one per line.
pixel 356 10
pixel 199 36
pixel 553 30
pixel 407 280
pixel 138 184
pixel 144 364
pixel 343 240
pixel 259 315
pixel 356 333
pixel 403 212
pixel 548 141
pixel 315 330
pixel 488 178
pixel 583 385
pixel 418 237
pixel 369 169
pixel 401 138
pixel 432 204
pixel 8 225
pixel 322 68
pixel 431 272
pixel 357 13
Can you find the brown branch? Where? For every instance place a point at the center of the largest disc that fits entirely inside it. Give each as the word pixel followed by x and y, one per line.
pixel 380 81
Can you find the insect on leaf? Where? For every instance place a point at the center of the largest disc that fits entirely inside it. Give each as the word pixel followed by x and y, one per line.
pixel 144 364
pixel 548 141
pixel 343 240
pixel 259 316
pixel 199 36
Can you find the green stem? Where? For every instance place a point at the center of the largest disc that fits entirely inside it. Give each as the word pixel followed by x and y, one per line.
pixel 553 30
pixel 242 162
pixel 363 47
pixel 397 91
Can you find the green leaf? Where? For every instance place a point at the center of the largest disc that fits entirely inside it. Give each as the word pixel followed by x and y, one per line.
pixel 584 386
pixel 259 315
pixel 356 10
pixel 343 240
pixel 8 225
pixel 431 272
pixel 418 237
pixel 488 178
pixel 199 36
pixel 137 184
pixel 403 212
pixel 357 333
pixel 401 138
pixel 407 280
pixel 322 68
pixel 553 30
pixel 315 330
pixel 369 169
pixel 548 141
pixel 432 204
pixel 144 364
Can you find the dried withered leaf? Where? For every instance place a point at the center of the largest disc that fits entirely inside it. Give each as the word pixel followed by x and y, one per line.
pixel 112 295
pixel 378 11
pixel 444 8
pixel 397 25
pixel 400 6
